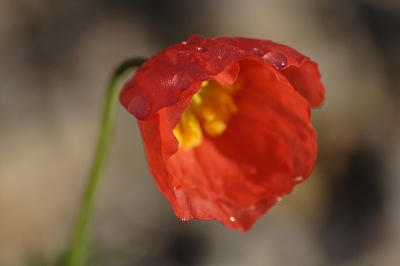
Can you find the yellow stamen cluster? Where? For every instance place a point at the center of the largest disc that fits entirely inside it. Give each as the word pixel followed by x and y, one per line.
pixel 210 110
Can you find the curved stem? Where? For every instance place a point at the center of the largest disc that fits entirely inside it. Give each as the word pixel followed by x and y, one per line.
pixel 77 251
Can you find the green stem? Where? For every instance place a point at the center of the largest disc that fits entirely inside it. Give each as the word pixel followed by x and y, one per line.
pixel 77 252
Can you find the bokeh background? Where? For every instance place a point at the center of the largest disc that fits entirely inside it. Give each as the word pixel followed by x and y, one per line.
pixel 55 60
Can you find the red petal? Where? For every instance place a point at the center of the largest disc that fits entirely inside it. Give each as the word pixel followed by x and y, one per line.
pixel 269 145
pixel 306 80
pixel 177 72
pixel 301 72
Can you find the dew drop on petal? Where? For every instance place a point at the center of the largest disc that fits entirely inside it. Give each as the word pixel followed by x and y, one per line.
pixel 224 56
pixel 277 59
pixel 299 178
pixel 232 219
pixel 139 107
pixel 278 199
pixel 182 80
pixel 257 51
pixel 196 39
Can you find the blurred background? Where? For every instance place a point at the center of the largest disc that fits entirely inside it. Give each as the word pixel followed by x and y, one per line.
pixel 55 61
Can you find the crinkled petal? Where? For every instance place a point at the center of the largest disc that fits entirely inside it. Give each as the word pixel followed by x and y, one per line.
pixel 301 72
pixel 268 148
pixel 177 72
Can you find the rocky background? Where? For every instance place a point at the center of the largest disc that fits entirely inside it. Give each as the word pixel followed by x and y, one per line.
pixel 55 60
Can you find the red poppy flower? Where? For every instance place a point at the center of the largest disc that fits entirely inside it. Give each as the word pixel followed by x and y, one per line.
pixel 226 125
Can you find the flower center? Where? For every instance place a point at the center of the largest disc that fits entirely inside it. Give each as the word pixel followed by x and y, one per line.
pixel 209 112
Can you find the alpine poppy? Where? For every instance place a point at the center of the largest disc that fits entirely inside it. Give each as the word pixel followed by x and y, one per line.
pixel 226 125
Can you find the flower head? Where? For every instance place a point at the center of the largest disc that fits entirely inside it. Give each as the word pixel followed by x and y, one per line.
pixel 226 125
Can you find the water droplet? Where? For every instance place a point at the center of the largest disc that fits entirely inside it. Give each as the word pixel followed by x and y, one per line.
pixel 224 56
pixel 257 52
pixel 196 39
pixel 277 59
pixel 227 40
pixel 232 219
pixel 184 43
pixel 182 80
pixel 139 107
pixel 299 178
pixel 278 198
